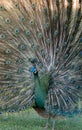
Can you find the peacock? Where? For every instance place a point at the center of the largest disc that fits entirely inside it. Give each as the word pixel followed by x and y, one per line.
pixel 41 56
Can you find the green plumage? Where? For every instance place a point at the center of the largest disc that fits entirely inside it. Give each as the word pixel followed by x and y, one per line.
pixel 41 89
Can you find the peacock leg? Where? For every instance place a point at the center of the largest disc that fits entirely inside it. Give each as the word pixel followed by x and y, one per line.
pixel 47 124
pixel 53 125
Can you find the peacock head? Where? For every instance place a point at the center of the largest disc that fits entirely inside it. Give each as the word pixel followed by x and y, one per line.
pixel 34 70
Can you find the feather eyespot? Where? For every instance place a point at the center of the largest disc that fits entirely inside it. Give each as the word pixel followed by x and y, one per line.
pixel 17 5
pixel 66 56
pixel 2 36
pixel 47 25
pixel 22 19
pixel 1 8
pixel 48 41
pixel 78 68
pixel 72 81
pixel 65 44
pixel 71 38
pixel 33 6
pixel 55 17
pixel 16 31
pixel 56 33
pixel 77 86
pixel 8 76
pixel 21 79
pixel 10 84
pixel 44 10
pixel 32 22
pixel 20 70
pixel 57 50
pixel 7 20
pixel 8 62
pixel 20 61
pixel 22 47
pixel 40 35
pixel 28 33
pixel 8 51
pixel 57 2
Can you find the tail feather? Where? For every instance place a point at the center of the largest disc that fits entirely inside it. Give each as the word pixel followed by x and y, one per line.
pixel 46 34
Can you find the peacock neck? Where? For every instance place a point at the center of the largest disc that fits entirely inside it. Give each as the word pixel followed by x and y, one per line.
pixel 41 89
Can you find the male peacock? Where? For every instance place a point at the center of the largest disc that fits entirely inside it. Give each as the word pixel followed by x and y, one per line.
pixel 41 56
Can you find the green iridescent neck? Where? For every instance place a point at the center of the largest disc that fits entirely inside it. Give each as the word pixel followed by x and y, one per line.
pixel 41 89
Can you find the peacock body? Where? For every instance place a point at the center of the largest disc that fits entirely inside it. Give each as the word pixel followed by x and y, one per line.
pixel 41 55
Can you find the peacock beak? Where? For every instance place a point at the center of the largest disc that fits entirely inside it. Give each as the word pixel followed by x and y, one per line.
pixel 35 72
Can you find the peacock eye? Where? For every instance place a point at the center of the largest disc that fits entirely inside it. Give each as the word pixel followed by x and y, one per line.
pixel 78 68
pixel 44 10
pixel 2 36
pixel 17 5
pixel 8 51
pixel 28 33
pixel 20 61
pixel 40 35
pixel 4 107
pixel 10 84
pixel 8 62
pixel 65 77
pixel 1 8
pixel 65 44
pixel 71 38
pixel 32 22
pixel 55 18
pixel 56 33
pixel 57 2
pixel 22 47
pixel 15 90
pixel 20 70
pixel 47 25
pixel 7 20
pixel 21 80
pixel 72 67
pixel 16 31
pixel 48 41
pixel 77 86
pixel 22 19
pixel 43 53
pixel 67 100
pixel 66 56
pixel 7 76
pixel 57 50
pixel 33 6
pixel 72 80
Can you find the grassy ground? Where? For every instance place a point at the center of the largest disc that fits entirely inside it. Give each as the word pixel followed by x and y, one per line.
pixel 29 120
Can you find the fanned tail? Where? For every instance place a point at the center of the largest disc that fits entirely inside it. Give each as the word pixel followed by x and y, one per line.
pixel 46 34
